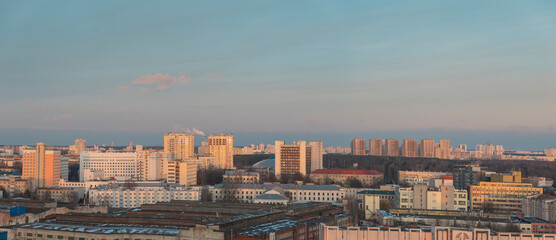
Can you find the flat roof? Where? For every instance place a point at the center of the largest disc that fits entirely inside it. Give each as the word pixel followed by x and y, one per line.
pixel 103 228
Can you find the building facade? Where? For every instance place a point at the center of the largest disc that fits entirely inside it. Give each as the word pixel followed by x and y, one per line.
pixel 426 148
pixel 121 165
pixel 540 206
pixel 182 172
pixel 131 195
pixel 409 148
pixel 500 196
pixel 367 177
pixel 358 146
pixel 41 166
pixel 375 147
pixel 181 145
pixel 290 159
pixel 222 147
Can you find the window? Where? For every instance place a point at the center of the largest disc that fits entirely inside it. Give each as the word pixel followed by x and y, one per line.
pixel 49 236
pixel 71 238
pixel 60 237
pixel 29 234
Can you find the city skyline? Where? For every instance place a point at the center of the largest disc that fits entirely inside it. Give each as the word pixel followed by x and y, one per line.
pixel 419 70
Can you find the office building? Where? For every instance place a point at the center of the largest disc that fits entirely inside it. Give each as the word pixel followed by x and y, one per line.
pixel 358 146
pixel 291 159
pixel 182 172
pixel 501 197
pixel 41 166
pixel 181 145
pixel 119 165
pixel 375 147
pixel 391 147
pixel 426 148
pixel 409 148
pixel 222 147
pixel 64 168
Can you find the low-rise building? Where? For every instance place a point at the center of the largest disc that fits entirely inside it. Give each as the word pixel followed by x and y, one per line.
pixel 248 192
pixel 241 176
pixel 425 197
pixel 13 186
pixel 60 194
pixel 130 195
pixel 341 176
pixel 419 177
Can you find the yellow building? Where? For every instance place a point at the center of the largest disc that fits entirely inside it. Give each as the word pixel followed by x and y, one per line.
pixel 183 173
pixel 500 196
pixel 41 166
pixel 222 146
pixel 513 177
pixel 181 145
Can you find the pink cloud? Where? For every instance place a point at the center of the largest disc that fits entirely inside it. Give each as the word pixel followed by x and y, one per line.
pixel 123 89
pixel 162 79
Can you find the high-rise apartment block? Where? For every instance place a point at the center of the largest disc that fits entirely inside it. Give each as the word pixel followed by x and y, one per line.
pixel 41 166
pixel 290 159
pixel 444 149
pixel 222 146
pixel 153 165
pixel 314 154
pixel 181 145
pixel 409 148
pixel 80 146
pixel 358 146
pixel 391 147
pixel 426 148
pixel 375 147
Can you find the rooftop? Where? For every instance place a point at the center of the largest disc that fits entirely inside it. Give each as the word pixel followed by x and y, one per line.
pixel 377 192
pixel 103 228
pixel 347 171
pixel 271 197
pixel 284 186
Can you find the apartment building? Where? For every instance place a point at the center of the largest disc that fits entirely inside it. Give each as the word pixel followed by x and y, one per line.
pixel 419 177
pixel 182 172
pixel 426 197
pixel 13 186
pixel 131 195
pixel 540 206
pixel 222 147
pixel 375 147
pixel 290 159
pixel 409 148
pixel 181 145
pixel 391 147
pixel 358 146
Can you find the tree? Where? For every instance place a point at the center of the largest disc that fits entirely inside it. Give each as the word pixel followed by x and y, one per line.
pixel 206 195
pixel 353 182
pixel 384 205
pixel 488 207
pixel 229 192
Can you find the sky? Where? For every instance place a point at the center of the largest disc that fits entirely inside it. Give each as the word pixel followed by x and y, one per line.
pixel 469 71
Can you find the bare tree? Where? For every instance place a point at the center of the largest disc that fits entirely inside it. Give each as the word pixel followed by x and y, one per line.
pixel 206 195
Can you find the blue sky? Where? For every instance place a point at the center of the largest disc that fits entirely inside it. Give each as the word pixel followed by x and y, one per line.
pixel 262 68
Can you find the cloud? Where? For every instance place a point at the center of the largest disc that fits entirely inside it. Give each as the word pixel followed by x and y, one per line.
pixel 213 77
pixel 44 108
pixel 61 117
pixel 26 101
pixel 163 81
pixel 161 87
pixel 123 89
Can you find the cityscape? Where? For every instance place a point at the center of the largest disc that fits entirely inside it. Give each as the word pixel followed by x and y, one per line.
pixel 277 120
